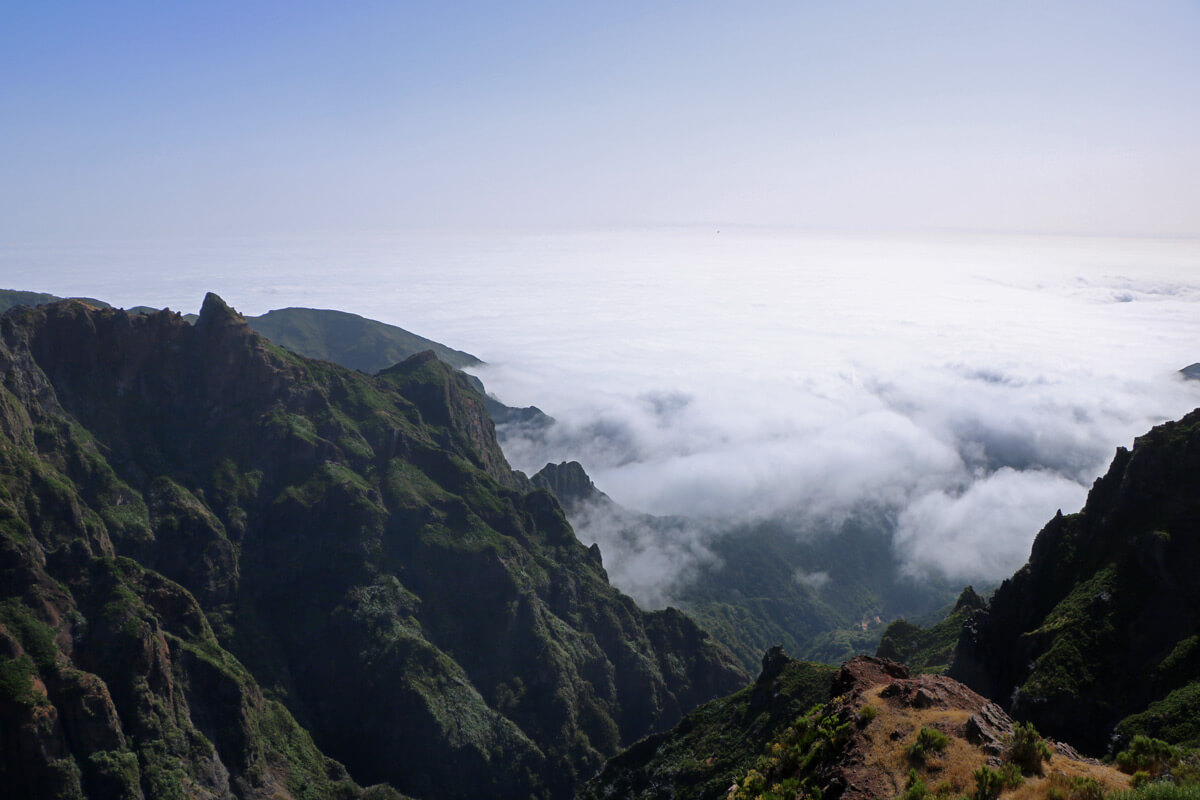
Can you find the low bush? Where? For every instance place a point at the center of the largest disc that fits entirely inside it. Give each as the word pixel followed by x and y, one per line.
pixel 929 741
pixel 1027 749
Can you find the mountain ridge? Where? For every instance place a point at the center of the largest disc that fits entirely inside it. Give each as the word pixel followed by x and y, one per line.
pixel 275 525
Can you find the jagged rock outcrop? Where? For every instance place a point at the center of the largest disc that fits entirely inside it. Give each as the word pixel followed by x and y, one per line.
pixel 569 484
pixel 191 513
pixel 800 730
pixel 1103 621
pixel 930 649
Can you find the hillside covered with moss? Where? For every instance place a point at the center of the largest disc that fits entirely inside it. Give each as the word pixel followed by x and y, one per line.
pixel 230 571
pixel 1100 631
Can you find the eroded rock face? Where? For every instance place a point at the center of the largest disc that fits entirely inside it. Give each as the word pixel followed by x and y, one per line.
pixel 1097 625
pixel 569 484
pixel 187 511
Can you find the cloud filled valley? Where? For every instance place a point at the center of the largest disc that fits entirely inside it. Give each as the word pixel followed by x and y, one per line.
pixel 960 388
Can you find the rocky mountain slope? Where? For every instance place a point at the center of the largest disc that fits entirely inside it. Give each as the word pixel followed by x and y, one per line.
pixel 823 596
pixel 1100 630
pixel 223 566
pixel 869 730
pixel 347 339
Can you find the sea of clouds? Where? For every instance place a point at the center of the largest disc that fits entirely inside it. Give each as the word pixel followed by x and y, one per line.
pixel 969 386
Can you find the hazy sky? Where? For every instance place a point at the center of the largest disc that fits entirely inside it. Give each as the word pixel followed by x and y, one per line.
pixel 131 120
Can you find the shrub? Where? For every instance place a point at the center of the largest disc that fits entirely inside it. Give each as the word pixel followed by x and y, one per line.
pixel 915 788
pixel 1080 787
pixel 1011 774
pixel 988 784
pixel 866 714
pixel 1146 755
pixel 1159 790
pixel 1084 788
pixel 1027 749
pixel 929 740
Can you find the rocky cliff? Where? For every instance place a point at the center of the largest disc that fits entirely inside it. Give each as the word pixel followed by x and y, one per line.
pixel 868 730
pixel 1100 630
pixel 223 566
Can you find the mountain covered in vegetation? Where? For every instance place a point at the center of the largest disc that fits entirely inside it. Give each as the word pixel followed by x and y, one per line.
pixel 1093 642
pixel 348 339
pixel 825 596
pixel 231 571
pixel 1099 633
pixel 866 731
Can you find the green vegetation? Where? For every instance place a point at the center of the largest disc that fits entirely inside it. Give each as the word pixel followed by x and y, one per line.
pixel 348 339
pixel 789 767
pixel 1159 791
pixel 1144 754
pixel 915 787
pixel 989 783
pixel 196 510
pixel 929 649
pixel 1175 717
pixel 824 598
pixel 16 681
pixel 928 742
pixel 758 730
pixel 1100 611
pixel 1079 787
pixel 1027 749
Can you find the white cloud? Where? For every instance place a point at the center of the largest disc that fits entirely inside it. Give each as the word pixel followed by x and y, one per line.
pixel 755 373
pixel 984 530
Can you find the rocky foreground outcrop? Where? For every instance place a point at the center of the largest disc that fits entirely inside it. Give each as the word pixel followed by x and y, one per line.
pixel 875 762
pixel 223 566
pixel 853 741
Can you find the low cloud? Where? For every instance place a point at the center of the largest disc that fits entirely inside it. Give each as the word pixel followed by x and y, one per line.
pixel 813 580
pixel 966 404
pixel 648 557
pixel 964 387
pixel 982 531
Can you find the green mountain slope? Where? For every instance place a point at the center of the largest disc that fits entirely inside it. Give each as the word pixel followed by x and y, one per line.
pixel 825 597
pixel 348 339
pixel 9 298
pixel 716 744
pixel 210 545
pixel 1099 631
pixel 929 649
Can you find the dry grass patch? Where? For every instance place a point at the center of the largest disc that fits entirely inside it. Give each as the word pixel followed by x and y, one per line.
pixel 892 731
pixel 895 729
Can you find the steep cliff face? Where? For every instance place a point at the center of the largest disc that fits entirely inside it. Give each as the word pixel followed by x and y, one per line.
pixel 1103 621
pixel 569 484
pixel 190 513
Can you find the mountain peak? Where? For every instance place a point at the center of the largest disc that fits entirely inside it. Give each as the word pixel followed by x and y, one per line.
pixel 569 483
pixel 216 313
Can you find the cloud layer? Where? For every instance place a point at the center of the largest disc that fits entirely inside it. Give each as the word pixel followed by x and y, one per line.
pixel 966 386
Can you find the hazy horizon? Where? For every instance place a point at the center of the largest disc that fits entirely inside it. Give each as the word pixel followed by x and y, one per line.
pixel 966 387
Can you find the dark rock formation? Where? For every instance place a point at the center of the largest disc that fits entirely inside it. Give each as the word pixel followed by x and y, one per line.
pixel 191 513
pixel 1103 620
pixel 569 484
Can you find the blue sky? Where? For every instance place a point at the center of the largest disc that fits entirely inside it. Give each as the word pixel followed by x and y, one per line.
pixel 146 120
